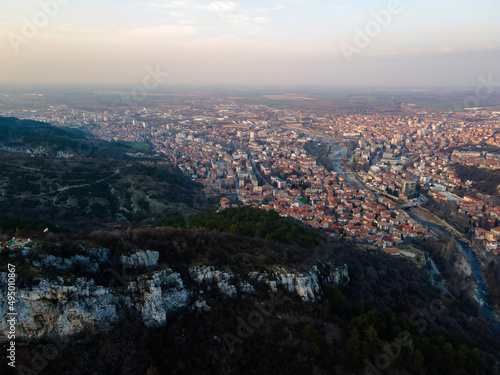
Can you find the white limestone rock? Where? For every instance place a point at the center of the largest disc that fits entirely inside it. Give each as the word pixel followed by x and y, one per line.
pixel 308 285
pixel 158 295
pixel 140 259
pixel 53 309
pixel 214 278
pixel 201 305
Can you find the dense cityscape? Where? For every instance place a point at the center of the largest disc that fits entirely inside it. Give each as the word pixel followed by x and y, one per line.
pixel 270 158
pixel 396 185
pixel 249 187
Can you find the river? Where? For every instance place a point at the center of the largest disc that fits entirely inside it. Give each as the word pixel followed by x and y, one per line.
pixel 481 294
pixel 481 290
pixel 337 153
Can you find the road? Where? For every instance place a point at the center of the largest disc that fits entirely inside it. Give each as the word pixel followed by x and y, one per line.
pixel 257 173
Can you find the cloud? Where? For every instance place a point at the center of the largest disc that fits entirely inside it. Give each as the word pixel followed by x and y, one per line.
pixel 236 15
pixel 171 31
pixel 171 4
pixel 223 6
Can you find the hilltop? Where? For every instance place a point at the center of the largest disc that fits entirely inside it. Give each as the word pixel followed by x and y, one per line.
pixel 79 183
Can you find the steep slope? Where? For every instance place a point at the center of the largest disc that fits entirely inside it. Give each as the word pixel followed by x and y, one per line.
pixel 77 182
pixel 209 302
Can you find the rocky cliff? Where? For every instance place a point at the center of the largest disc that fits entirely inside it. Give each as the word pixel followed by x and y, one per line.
pixel 59 308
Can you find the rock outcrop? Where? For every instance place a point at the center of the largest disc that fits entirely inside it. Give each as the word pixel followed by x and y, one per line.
pixel 95 260
pixel 140 259
pixel 306 285
pixel 53 309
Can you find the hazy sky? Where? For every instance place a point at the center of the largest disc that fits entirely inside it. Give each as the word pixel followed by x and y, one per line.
pixel 424 42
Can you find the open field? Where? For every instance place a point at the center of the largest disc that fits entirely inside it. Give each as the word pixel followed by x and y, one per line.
pixel 419 256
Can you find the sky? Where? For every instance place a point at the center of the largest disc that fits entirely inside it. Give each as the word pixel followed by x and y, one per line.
pixel 250 42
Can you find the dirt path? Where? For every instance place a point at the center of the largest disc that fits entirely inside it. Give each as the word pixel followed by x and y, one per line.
pixel 117 171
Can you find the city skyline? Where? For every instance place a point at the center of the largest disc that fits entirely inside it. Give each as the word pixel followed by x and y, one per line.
pixel 289 42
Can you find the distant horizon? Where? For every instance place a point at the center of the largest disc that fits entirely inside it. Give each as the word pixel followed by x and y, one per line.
pixel 233 87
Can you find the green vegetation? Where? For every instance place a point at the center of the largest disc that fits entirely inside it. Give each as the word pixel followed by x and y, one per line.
pixel 388 317
pixel 247 221
pixel 140 146
pixel 9 224
pixel 71 191
pixel 304 200
pixel 313 338
pixel 419 254
pixel 374 334
pixel 96 182
pixel 321 152
pixel 279 334
pixel 151 171
pixel 334 299
pixel 451 223
pixel 29 133
pixel 485 180
pixel 11 127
